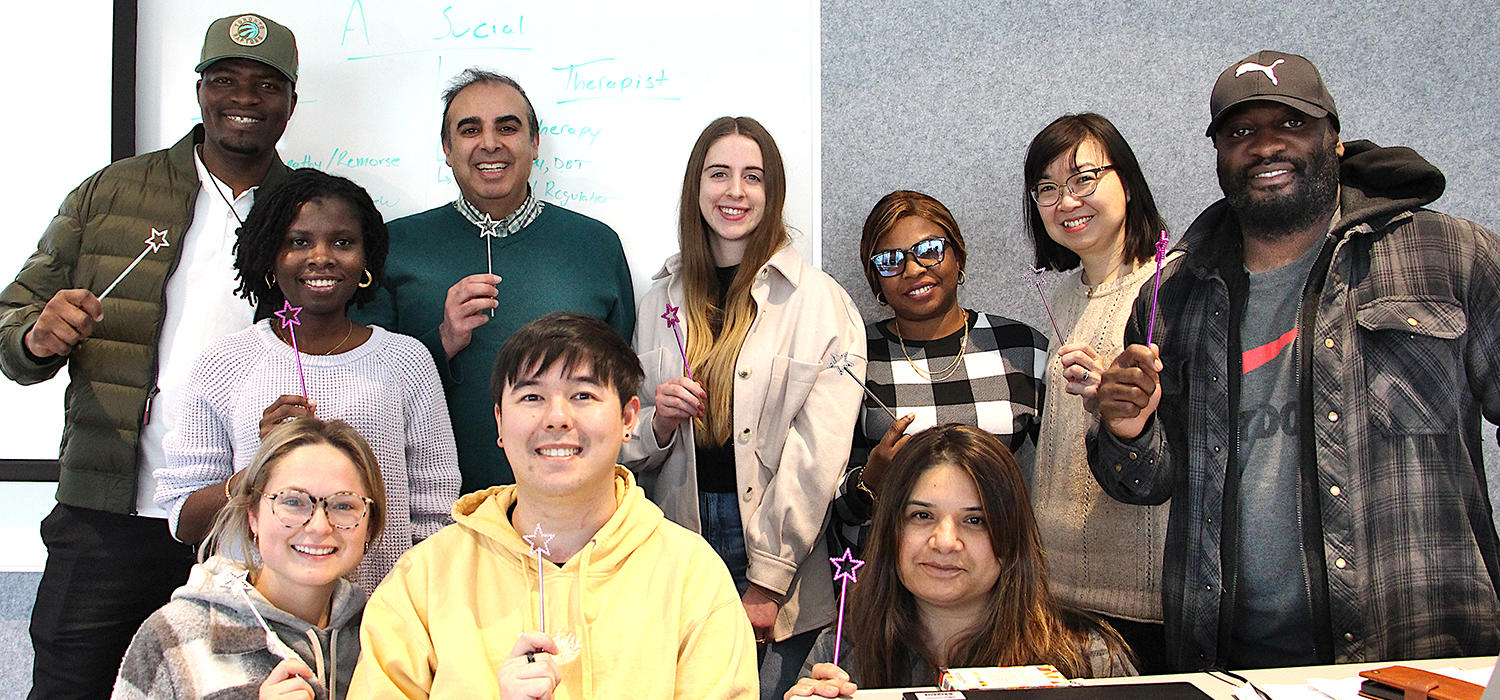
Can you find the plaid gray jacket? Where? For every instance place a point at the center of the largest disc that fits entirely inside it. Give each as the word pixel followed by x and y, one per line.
pixel 1398 355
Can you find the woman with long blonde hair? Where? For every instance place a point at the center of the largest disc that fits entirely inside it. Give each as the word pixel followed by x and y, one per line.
pixel 747 442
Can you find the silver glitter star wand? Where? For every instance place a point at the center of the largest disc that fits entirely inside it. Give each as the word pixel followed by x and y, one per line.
pixel 840 361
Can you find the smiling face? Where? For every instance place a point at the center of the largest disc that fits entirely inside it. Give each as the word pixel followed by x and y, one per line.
pixel 919 293
pixel 732 195
pixel 322 257
pixel 299 559
pixel 1094 224
pixel 561 429
pixel 245 106
pixel 946 559
pixel 488 146
pixel 1278 167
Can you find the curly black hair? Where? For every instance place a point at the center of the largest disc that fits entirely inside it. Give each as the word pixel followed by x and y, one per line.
pixel 259 239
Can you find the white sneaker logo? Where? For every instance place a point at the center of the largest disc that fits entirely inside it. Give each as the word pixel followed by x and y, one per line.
pixel 1270 71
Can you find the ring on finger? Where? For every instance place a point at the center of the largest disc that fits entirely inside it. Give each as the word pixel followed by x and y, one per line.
pixel 1086 374
pixel 530 657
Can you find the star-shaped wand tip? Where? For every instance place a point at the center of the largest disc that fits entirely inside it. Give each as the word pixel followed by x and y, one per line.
pixel 846 565
pixel 154 243
pixel 488 227
pixel 288 314
pixel 540 541
pixel 670 315
pixel 839 361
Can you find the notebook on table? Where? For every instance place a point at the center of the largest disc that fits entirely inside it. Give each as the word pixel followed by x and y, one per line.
pixel 1155 691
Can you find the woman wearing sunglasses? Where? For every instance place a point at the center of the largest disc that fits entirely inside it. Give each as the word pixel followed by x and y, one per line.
pixel 318 243
pixel 1088 209
pixel 934 361
pixel 268 610
pixel 746 443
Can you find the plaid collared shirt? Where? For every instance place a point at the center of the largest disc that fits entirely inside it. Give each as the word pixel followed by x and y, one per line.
pixel 1404 349
pixel 517 220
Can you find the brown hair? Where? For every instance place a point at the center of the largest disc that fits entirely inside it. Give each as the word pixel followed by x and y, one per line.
pixel 716 334
pixel 896 206
pixel 1022 623
pixel 231 527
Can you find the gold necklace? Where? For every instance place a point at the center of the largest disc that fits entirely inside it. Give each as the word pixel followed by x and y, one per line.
pixel 331 351
pixel 940 375
pixel 345 340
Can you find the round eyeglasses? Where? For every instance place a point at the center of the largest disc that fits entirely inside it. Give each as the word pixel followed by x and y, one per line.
pixel 889 263
pixel 1080 185
pixel 295 508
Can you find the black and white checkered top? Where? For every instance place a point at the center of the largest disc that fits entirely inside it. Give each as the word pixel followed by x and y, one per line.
pixel 997 386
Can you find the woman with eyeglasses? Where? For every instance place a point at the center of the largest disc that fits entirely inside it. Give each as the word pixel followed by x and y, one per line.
pixel 955 578
pixel 933 361
pixel 746 443
pixel 268 609
pixel 1089 211
pixel 316 242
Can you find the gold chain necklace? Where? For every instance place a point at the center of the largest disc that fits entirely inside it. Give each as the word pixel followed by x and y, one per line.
pixel 345 340
pixel 347 333
pixel 940 375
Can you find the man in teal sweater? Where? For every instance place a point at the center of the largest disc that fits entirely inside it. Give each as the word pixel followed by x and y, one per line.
pixel 465 275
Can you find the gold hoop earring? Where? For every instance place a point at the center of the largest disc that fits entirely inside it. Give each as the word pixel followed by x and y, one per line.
pixel 270 280
pixel 369 280
pixel 962 277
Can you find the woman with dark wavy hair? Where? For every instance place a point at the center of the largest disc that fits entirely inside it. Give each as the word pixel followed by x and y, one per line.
pixel 956 578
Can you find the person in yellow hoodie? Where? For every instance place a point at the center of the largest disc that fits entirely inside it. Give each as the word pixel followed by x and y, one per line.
pixel 630 604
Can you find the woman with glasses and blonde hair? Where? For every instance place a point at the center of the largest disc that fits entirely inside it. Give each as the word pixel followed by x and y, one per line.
pixel 269 608
pixel 1089 211
pixel 933 361
pixel 746 443
pixel 955 578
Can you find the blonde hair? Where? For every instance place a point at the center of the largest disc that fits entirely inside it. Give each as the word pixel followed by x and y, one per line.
pixel 716 334
pixel 231 527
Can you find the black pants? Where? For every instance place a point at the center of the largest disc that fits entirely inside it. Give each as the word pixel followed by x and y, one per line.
pixel 105 574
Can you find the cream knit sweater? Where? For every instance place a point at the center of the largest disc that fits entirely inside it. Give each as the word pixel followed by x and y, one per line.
pixel 1102 555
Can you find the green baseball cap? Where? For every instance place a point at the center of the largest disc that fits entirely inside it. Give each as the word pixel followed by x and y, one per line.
pixel 254 37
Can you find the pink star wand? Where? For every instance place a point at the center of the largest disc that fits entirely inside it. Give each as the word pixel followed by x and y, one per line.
pixel 845 576
pixel 152 245
pixel 1035 278
pixel 1161 254
pixel 670 316
pixel 288 316
pixel 540 544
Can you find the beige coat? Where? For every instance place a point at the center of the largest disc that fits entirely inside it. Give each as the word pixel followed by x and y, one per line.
pixel 793 422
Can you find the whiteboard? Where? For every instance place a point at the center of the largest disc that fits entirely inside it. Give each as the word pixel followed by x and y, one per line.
pixel 622 91
pixel 59 133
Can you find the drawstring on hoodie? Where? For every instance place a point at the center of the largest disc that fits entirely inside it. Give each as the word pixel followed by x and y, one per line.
pixel 587 623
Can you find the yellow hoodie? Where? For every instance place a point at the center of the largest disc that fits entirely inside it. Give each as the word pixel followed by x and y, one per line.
pixel 645 610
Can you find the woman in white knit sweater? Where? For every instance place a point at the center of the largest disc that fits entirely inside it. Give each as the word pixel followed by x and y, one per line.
pixel 315 243
pixel 1088 209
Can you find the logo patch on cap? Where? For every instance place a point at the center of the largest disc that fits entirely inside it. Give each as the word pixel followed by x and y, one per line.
pixel 247 30
pixel 1251 67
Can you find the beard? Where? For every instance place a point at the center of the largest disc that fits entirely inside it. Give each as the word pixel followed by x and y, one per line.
pixel 1270 216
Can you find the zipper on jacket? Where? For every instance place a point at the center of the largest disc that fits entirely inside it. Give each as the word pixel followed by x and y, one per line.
pixel 1309 506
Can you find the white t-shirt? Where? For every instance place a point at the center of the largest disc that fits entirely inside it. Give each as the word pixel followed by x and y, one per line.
pixel 201 307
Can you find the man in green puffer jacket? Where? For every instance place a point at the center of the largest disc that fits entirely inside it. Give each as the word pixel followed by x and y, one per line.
pixel 110 558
